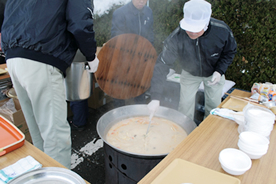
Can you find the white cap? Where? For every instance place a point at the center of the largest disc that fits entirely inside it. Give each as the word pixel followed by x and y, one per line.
pixel 197 14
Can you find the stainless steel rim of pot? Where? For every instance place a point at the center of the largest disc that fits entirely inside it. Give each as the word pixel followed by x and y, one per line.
pixel 114 116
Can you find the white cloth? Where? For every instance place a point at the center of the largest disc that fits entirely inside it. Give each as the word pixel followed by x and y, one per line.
pixel 41 93
pixel 238 117
pixel 20 167
pixel 173 77
pixel 225 113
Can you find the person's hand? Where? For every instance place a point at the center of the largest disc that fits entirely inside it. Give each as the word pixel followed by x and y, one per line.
pixel 93 65
pixel 215 78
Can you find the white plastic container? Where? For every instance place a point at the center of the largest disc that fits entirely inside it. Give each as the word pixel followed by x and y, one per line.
pixel 258 119
pixel 253 144
pixel 234 161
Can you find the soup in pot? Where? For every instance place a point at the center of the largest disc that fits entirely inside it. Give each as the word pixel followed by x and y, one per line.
pixel 130 135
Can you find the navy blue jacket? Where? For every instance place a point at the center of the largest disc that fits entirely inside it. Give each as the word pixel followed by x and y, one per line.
pixel 2 8
pixel 128 19
pixel 48 31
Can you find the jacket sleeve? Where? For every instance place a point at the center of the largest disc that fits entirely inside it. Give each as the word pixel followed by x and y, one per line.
pixel 227 55
pixel 165 61
pixel 80 24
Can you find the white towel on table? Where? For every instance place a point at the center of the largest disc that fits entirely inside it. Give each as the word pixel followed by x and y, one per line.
pixel 20 167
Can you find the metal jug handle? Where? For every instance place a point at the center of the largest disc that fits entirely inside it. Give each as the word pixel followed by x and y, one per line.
pixel 86 66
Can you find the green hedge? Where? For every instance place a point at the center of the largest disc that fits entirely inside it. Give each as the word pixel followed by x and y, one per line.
pixel 254 26
pixel 252 22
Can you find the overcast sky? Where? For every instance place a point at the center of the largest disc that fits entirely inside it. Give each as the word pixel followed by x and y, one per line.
pixel 100 6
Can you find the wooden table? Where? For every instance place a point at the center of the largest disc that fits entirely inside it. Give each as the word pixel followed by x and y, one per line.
pixel 26 150
pixel 204 144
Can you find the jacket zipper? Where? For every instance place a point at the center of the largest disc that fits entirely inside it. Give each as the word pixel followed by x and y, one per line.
pixel 198 50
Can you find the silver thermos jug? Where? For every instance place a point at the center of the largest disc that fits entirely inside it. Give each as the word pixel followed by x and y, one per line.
pixel 78 80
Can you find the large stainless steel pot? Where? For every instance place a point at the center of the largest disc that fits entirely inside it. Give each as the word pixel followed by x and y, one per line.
pixel 114 116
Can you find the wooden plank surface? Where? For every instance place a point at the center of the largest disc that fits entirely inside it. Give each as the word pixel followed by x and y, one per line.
pixel 204 144
pixel 26 150
pixel 234 104
pixel 126 66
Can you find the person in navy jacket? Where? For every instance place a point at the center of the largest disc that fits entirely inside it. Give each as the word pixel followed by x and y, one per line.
pixel 135 18
pixel 40 40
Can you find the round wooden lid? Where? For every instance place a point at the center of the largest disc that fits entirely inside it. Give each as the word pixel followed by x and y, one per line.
pixel 126 66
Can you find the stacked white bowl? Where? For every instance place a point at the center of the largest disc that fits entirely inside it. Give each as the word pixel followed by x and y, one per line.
pixel 253 144
pixel 259 120
pixel 234 161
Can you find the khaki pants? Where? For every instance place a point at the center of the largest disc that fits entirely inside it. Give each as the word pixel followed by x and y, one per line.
pixel 41 93
pixel 189 85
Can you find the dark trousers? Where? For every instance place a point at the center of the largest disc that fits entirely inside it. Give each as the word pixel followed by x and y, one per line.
pixel 80 112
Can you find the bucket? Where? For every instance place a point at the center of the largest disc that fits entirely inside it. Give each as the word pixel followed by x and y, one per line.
pixel 78 82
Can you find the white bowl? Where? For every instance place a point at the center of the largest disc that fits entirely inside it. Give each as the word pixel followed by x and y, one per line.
pixel 270 104
pixel 253 138
pixel 253 155
pixel 252 149
pixel 234 161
